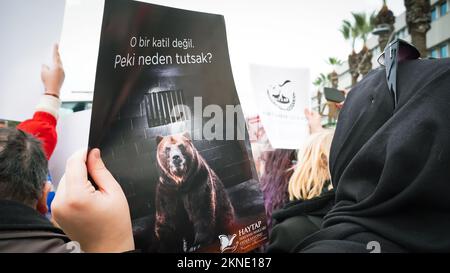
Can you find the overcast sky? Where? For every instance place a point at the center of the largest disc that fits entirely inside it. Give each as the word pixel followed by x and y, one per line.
pixel 286 33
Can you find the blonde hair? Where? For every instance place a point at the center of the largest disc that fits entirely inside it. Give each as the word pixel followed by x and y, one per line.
pixel 311 171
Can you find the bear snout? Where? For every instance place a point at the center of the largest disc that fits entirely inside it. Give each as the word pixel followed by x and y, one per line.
pixel 177 160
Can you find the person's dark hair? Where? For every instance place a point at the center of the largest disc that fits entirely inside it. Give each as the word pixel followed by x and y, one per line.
pixel 23 166
pixel 275 180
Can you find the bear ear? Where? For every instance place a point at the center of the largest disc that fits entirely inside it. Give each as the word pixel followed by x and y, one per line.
pixel 159 139
pixel 187 135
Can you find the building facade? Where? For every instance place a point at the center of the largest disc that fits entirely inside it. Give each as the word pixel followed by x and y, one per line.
pixel 438 38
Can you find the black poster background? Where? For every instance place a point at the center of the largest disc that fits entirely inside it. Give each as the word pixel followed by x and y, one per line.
pixel 120 124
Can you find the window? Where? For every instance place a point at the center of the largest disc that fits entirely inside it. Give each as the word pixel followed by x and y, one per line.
pixel 444 51
pixel 434 53
pixel 443 7
pixel 164 107
pixel 434 14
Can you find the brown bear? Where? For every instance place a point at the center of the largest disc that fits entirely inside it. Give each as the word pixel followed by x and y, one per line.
pixel 192 205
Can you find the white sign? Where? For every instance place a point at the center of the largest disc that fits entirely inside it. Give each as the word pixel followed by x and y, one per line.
pixel 282 96
pixel 79 46
pixel 73 135
pixel 28 31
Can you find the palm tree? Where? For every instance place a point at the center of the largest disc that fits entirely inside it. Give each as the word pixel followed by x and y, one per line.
pixel 333 77
pixel 333 61
pixel 321 82
pixel 365 25
pixel 418 19
pixel 384 22
pixel 351 32
pixel 326 81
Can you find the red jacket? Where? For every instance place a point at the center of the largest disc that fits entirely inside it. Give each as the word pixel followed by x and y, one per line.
pixel 43 123
pixel 43 127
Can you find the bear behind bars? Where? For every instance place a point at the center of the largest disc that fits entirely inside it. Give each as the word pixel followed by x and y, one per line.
pixel 192 205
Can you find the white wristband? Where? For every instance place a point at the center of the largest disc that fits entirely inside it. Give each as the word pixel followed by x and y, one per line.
pixel 49 104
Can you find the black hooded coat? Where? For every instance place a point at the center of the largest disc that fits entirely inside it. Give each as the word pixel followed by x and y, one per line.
pixel 390 165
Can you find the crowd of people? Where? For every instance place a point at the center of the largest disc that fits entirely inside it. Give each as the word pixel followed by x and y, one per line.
pixel 88 216
pixel 386 177
pixel 381 176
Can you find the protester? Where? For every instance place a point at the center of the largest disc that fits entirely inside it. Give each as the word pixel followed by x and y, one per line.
pixel 23 194
pixel 98 219
pixel 314 121
pixel 278 170
pixel 311 176
pixel 390 165
pixel 43 123
pixel 311 194
pixel 274 181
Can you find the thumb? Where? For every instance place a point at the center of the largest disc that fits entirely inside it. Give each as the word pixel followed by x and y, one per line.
pixel 76 174
pixel 101 176
pixel 56 56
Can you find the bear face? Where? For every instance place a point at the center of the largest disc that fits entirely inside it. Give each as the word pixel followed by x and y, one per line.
pixel 174 156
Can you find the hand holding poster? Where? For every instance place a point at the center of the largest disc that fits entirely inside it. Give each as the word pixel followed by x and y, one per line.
pixel 188 175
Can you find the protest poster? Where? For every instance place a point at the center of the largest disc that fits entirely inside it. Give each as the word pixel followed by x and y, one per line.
pixel 282 94
pixel 29 31
pixel 167 119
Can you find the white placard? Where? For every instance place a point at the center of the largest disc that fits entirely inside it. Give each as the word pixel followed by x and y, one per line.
pixel 73 135
pixel 28 31
pixel 80 40
pixel 282 95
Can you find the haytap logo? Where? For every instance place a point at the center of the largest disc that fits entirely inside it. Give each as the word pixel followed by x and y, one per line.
pixel 226 243
pixel 282 96
pixel 374 247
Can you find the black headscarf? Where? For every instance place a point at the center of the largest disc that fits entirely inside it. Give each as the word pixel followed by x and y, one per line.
pixel 391 166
